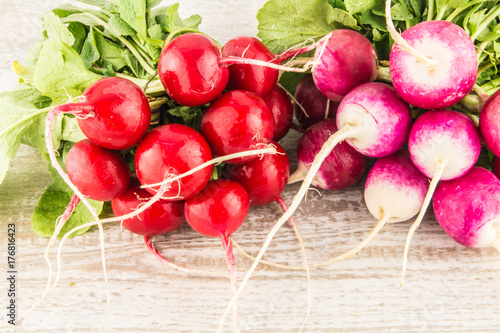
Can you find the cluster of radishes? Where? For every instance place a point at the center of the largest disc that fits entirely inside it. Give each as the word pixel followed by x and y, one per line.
pixel 345 115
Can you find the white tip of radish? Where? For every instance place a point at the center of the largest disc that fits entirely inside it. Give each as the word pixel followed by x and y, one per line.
pixel 394 187
pixel 444 135
pixel 382 118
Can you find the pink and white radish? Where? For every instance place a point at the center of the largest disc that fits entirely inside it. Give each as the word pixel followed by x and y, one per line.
pixel 168 151
pixel 238 120
pixel 258 79
pixel 433 64
pixel 218 211
pixel 281 107
pixel 310 104
pixel 468 208
pixel 342 168
pixel 343 61
pixel 443 145
pixel 489 123
pixel 374 120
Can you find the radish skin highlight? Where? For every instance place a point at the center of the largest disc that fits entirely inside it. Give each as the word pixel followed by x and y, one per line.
pixel 381 117
pixel 443 145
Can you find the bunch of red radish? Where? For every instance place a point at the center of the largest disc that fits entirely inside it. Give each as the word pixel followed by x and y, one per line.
pixel 345 115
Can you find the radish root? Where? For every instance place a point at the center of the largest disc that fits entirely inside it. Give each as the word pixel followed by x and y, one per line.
pixel 440 165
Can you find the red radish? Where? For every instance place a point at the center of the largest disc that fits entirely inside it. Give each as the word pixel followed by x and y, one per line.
pixel 374 120
pixel 495 166
pixel 444 145
pixel 342 168
pixel 170 150
pixel 281 108
pixel 218 211
pixel 99 173
pixel 343 61
pixel 189 71
pixel 238 120
pixel 489 123
pixel 433 64
pixel 264 178
pixel 468 208
pixel 258 79
pixel 311 106
pixel 119 116
pixel 162 217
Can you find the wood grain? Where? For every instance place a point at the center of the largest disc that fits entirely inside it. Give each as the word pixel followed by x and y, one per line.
pixel 448 288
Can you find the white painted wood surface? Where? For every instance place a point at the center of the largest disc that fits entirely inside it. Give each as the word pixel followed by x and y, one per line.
pixel 448 288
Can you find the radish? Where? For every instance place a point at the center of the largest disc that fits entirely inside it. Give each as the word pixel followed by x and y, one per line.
pixel 238 120
pixel 170 150
pixel 218 211
pixel 374 120
pixel 342 168
pixel 264 178
pixel 489 123
pixel 433 64
pixel 468 208
pixel 258 79
pixel 100 174
pixel 162 217
pixel 343 61
pixel 282 110
pixel 443 145
pixel 311 106
pixel 189 71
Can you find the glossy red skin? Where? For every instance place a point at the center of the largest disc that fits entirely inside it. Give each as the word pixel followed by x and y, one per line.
pixel 99 173
pixel 264 178
pixel 237 121
pixel 258 79
pixel 342 168
pixel 189 70
pixel 489 123
pixel 313 101
pixel 162 217
pixel 281 107
pixel 122 113
pixel 219 210
pixel 173 149
pixel 495 166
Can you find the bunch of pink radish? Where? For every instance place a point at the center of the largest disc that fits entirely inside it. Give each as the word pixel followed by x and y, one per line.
pixel 346 118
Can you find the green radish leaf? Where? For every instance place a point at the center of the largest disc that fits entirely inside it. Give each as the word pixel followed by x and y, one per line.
pixel 173 18
pixel 61 71
pixel 152 3
pixel 134 13
pixel 283 24
pixel 79 33
pixel 98 3
pixel 359 6
pixel 337 4
pixel 110 52
pixel 56 30
pixel 118 27
pixel 90 52
pixel 192 21
pixel 21 121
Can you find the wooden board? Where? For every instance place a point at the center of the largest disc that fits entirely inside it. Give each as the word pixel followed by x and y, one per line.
pixel 448 288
